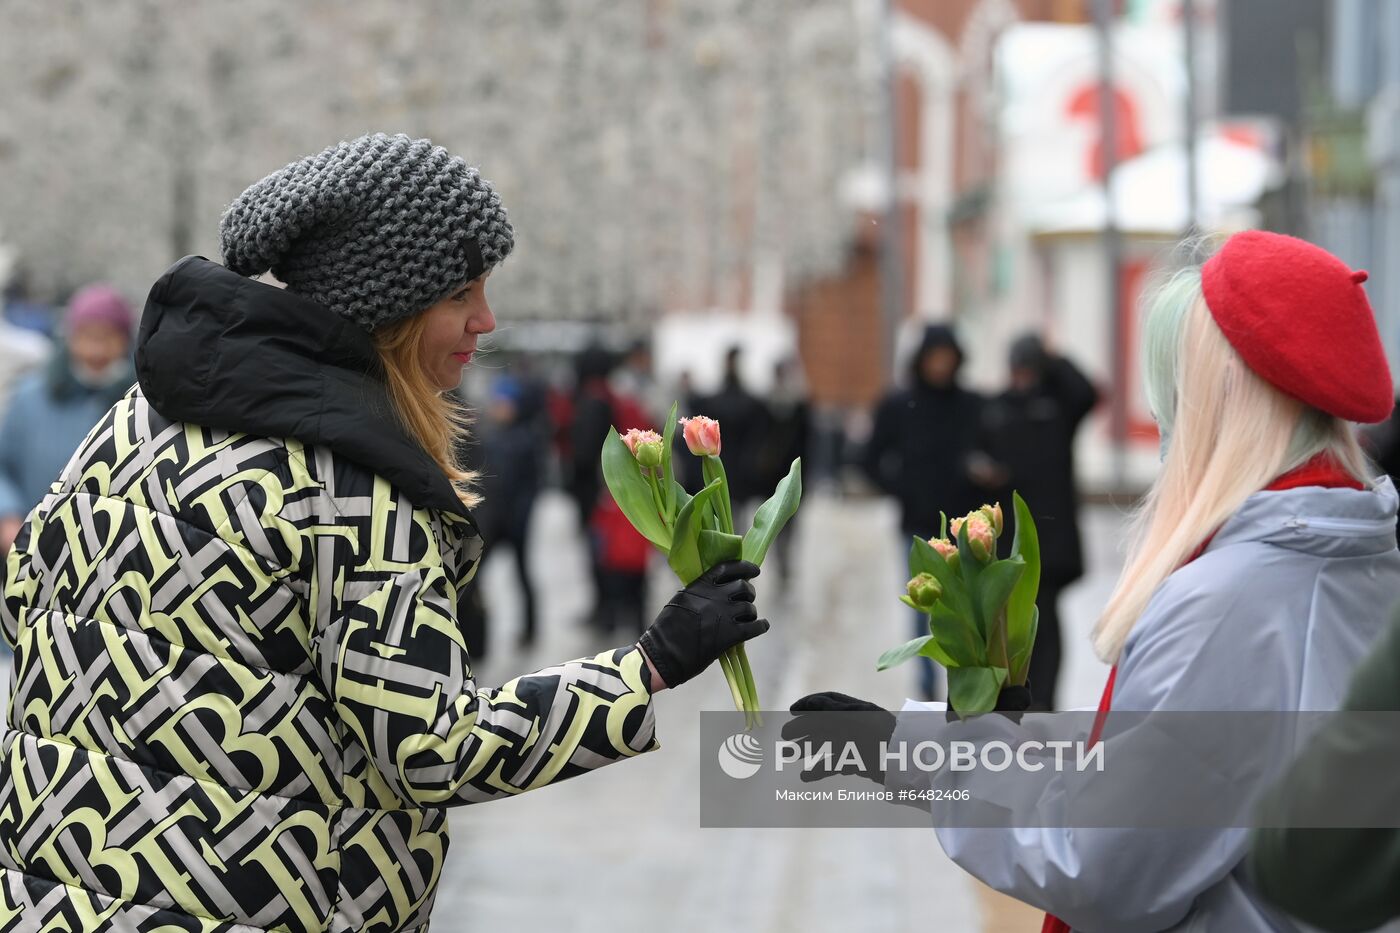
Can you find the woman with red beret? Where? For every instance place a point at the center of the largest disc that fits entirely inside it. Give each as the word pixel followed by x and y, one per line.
pixel 1263 566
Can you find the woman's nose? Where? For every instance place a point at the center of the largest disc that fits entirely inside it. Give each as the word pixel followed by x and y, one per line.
pixel 483 322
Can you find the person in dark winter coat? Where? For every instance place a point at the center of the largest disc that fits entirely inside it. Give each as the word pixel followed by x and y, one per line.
pixel 52 409
pixel 787 431
pixel 924 435
pixel 241 698
pixel 593 414
pixel 1029 434
pixel 512 471
pixel 921 447
pixel 742 415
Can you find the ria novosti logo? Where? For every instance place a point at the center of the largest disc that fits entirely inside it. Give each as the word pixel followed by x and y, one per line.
pixel 741 756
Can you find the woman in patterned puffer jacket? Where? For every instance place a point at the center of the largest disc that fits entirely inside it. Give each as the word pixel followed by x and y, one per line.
pixel 241 700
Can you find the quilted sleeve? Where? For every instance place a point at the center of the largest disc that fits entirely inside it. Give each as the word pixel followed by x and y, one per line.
pixel 390 652
pixel 21 578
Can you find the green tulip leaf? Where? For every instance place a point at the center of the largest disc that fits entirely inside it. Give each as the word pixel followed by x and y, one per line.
pixel 668 477
pixel 679 496
pixel 716 547
pixel 1021 653
pixel 712 469
pixel 772 515
pixel 1021 614
pixel 896 656
pixel 974 690
pixel 684 556
pixel 957 636
pixel 935 652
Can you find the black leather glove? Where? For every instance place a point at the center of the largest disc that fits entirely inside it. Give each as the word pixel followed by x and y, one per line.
pixel 1014 700
pixel 868 732
pixel 702 621
pixel 866 726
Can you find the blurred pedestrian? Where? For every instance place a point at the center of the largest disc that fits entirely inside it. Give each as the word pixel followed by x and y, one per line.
pixel 242 697
pixel 687 469
pixel 22 348
pixel 598 407
pixel 787 429
pixel 1029 435
pixel 623 558
pixel 635 378
pixel 920 451
pixel 512 469
pixel 735 405
pixel 592 413
pixel 1383 444
pixel 52 409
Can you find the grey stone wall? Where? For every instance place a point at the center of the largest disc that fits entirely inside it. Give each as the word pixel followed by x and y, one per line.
pixel 648 150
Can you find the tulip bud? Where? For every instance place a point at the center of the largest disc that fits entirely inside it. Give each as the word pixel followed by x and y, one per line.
pixel 980 537
pixel 946 549
pixel 925 591
pixel 645 446
pixel 702 436
pixel 993 513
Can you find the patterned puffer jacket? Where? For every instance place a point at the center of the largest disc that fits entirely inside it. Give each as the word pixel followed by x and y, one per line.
pixel 241 700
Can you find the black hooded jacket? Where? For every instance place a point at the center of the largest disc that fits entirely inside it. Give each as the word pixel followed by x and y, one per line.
pixel 922 438
pixel 241 697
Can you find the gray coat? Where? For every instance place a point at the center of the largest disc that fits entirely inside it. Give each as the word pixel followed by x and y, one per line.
pixel 1274 615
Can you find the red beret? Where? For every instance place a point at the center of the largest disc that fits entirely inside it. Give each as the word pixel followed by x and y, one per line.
pixel 1300 319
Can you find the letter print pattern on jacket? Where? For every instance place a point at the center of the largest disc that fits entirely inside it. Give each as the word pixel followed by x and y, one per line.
pixel 241 699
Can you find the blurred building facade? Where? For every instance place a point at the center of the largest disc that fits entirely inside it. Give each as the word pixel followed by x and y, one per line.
pixel 653 154
pixel 812 179
pixel 1351 128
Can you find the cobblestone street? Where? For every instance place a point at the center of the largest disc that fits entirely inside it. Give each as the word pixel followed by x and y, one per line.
pixel 622 850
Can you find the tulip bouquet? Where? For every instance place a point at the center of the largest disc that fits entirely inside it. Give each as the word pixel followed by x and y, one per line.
pixel 981 610
pixel 695 532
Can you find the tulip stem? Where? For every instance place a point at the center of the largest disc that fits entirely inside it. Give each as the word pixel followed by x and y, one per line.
pixel 750 686
pixel 712 468
pixel 735 688
pixel 658 500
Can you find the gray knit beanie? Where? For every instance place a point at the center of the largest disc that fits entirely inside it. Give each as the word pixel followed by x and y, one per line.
pixel 377 229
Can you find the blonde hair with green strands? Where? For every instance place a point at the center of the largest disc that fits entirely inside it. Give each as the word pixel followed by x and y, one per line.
pixel 1228 434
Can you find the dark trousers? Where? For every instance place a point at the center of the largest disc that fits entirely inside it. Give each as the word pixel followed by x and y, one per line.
pixel 519 543
pixel 623 601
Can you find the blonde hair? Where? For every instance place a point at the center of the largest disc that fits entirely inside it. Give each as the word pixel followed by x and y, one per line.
pixel 435 419
pixel 1228 433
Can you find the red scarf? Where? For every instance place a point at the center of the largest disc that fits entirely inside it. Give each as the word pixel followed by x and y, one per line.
pixel 1321 470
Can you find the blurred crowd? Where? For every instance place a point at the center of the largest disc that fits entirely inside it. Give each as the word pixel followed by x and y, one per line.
pixel 933 445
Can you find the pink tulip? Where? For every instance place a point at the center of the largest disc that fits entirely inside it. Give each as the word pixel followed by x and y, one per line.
pixel 993 513
pixel 645 446
pixel 702 435
pixel 946 549
pixel 981 538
